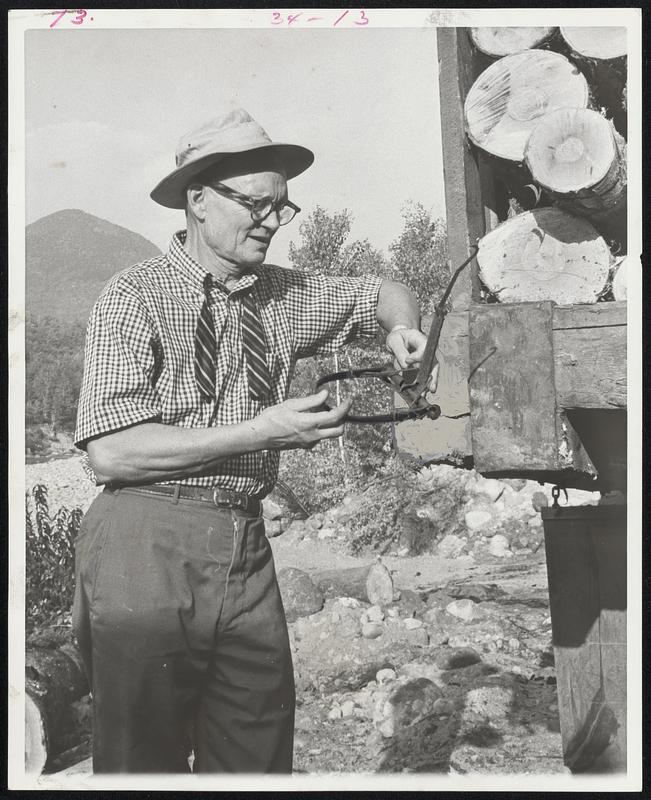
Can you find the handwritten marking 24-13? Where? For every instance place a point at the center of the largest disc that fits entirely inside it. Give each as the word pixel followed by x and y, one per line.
pixel 358 17
pixel 78 16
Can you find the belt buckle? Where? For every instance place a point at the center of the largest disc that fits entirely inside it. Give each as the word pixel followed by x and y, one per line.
pixel 220 503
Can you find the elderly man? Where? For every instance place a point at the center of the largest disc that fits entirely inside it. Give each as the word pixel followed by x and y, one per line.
pixel 183 414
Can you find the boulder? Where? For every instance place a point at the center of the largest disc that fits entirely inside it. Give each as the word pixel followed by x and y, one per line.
pixel 499 545
pixel 463 609
pixel 539 501
pixel 270 509
pixel 477 518
pixel 299 594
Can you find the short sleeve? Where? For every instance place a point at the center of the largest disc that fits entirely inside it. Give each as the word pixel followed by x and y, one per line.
pixel 119 368
pixel 327 312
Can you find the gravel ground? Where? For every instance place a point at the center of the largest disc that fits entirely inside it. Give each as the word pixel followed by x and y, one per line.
pixel 67 483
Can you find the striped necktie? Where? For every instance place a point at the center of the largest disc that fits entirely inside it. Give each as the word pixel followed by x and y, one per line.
pixel 205 346
pixel 254 346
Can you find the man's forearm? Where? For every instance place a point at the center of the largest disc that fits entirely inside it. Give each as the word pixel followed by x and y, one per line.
pixel 152 452
pixel 397 306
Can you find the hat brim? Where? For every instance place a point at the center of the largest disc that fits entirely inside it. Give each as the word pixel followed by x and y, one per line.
pixel 170 192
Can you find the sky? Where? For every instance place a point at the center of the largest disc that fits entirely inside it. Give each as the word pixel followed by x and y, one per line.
pixel 105 109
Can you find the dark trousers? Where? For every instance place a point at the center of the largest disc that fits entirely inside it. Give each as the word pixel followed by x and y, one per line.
pixel 180 623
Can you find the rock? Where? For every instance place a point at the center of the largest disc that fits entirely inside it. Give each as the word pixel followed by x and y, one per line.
pixel 418 637
pixel 375 614
pixel 371 630
pixel 463 609
pixel 273 527
pixel 498 546
pixel 411 624
pixel 347 708
pixel 326 533
pixel 405 705
pixel 456 657
pixel 450 546
pixel 385 676
pixel 335 713
pixel 539 501
pixel 349 602
pixel 476 519
pixel 514 644
pixel 535 522
pixel 315 522
pixel 299 594
pixel 490 487
pixel 270 509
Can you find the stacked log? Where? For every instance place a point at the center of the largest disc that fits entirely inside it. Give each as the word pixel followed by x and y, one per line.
pixel 532 114
pixel 579 158
pixel 601 54
pixel 54 679
pixel 545 254
pixel 498 42
pixel 509 98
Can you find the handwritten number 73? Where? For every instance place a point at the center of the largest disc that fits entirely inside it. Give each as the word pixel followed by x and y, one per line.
pixel 79 18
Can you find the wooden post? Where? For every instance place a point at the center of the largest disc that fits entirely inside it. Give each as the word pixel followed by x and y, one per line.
pixel 586 567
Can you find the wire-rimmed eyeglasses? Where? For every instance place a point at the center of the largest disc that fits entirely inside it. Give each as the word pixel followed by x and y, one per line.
pixel 260 209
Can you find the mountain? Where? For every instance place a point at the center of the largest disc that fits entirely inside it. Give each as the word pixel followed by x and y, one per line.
pixel 69 257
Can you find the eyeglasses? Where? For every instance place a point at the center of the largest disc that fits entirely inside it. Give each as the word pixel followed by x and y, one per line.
pixel 260 209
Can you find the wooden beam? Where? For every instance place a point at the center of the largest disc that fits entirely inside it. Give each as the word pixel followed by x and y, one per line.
pixel 468 179
pixel 512 395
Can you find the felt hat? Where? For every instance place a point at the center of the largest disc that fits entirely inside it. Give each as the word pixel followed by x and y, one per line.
pixel 231 133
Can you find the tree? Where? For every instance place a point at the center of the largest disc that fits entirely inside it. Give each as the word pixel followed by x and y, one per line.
pixel 419 256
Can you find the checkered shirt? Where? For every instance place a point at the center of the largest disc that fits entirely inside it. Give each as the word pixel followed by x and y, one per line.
pixel 139 358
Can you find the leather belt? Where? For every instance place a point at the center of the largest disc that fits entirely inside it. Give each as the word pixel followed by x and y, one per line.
pixel 222 498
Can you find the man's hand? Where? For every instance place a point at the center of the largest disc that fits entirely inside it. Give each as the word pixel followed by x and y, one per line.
pixel 298 422
pixel 408 347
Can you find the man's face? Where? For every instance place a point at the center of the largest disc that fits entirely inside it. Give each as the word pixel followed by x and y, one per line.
pixel 228 228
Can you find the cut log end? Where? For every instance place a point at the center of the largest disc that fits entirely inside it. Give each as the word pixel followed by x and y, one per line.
pixel 620 279
pixel 498 42
pixel 571 149
pixel 372 584
pixel 601 44
pixel 545 254
pixel 509 98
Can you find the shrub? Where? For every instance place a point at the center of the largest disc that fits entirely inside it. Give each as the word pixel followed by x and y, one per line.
pixel 49 559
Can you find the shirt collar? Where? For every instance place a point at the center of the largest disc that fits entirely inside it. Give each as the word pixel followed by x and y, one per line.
pixel 193 272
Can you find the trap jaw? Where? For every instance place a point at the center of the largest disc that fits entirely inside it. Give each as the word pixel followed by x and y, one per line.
pixel 410 384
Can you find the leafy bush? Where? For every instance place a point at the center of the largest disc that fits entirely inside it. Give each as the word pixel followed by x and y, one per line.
pixel 49 578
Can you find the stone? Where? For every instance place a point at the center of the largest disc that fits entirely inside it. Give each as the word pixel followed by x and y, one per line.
pixel 385 675
pixel 418 637
pixel 270 509
pixel 406 704
pixel 456 657
pixel 335 713
pixel 477 518
pixel 535 522
pixel 375 614
pixel 273 527
pixel 315 522
pixel 299 594
pixel 488 702
pixel 462 609
pixel 411 624
pixel 450 546
pixel 326 533
pixel 514 644
pixel 371 630
pixel 490 487
pixel 539 501
pixel 499 545
pixel 349 602
pixel 347 708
